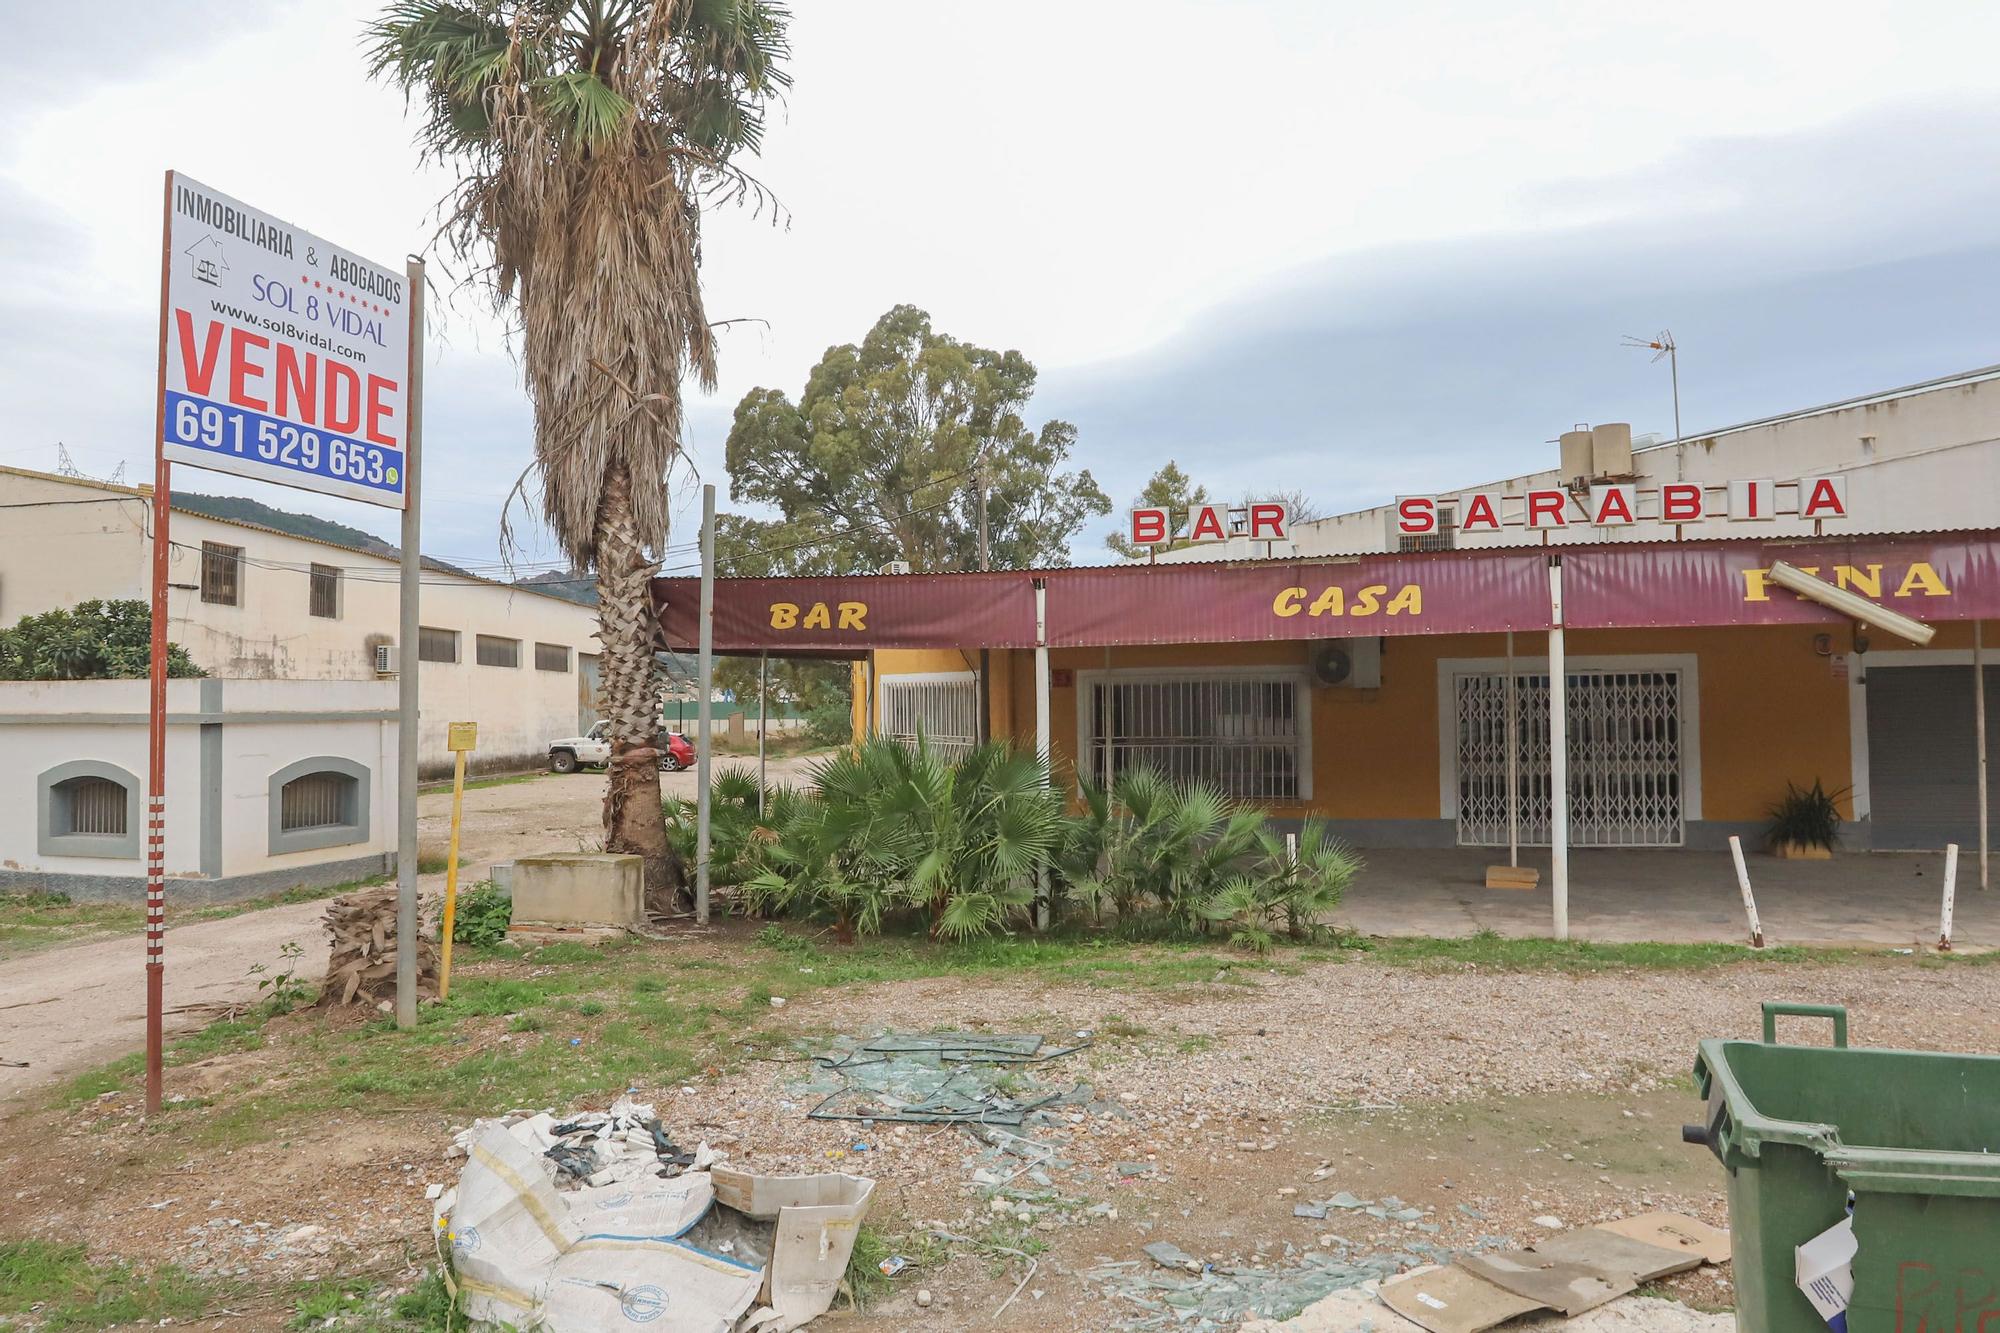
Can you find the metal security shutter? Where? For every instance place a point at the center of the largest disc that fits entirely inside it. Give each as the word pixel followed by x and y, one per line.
pixel 944 710
pixel 1923 792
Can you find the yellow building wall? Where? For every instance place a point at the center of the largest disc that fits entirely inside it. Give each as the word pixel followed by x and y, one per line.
pixel 1771 709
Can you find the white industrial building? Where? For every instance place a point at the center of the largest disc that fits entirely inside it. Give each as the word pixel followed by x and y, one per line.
pixel 248 602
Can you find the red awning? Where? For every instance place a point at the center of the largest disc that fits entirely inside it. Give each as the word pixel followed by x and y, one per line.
pixel 1931 577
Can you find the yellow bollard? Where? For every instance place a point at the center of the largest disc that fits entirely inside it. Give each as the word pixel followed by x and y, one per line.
pixel 459 738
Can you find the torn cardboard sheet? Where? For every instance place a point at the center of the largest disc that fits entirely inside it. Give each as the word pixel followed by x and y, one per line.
pixel 599 1221
pixel 1675 1231
pixel 1569 1288
pixel 1451 1300
pixel 1610 1252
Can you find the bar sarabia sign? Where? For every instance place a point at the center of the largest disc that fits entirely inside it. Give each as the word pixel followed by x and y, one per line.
pixel 286 356
pixel 1260 521
pixel 1621 505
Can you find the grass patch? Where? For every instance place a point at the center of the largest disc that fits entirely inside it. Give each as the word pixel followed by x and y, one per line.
pixel 1499 953
pixel 39 919
pixel 65 1290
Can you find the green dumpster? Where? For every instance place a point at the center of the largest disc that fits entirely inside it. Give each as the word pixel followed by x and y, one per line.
pixel 1914 1135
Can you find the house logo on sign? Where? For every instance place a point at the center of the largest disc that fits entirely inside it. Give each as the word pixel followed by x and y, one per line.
pixel 206 257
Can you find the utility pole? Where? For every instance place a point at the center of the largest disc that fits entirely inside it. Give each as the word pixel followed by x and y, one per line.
pixel 408 657
pixel 705 691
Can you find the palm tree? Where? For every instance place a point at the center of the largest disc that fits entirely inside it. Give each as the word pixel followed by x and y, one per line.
pixel 588 135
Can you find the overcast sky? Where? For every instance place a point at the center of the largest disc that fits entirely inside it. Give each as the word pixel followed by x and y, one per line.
pixel 1351 249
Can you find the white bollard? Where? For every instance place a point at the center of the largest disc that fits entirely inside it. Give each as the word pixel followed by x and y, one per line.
pixel 1749 902
pixel 1950 893
pixel 1291 849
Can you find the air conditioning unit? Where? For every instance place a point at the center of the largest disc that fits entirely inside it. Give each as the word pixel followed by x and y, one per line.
pixel 385 659
pixel 1354 664
pixel 896 567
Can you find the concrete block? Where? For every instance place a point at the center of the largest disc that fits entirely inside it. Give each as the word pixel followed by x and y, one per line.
pixel 580 889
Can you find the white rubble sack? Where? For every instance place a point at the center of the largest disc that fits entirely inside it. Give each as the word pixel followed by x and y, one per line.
pixel 532 1256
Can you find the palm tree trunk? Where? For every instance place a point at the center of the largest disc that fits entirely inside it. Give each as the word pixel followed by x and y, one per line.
pixel 633 818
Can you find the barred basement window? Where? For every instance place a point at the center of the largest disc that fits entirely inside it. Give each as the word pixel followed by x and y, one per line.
pixel 221 573
pixel 324 598
pixel 489 650
pixel 944 708
pixel 1246 734
pixel 317 800
pixel 436 645
pixel 85 807
pixel 551 657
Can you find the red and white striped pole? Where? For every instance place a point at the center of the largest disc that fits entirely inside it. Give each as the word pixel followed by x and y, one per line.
pixel 156 701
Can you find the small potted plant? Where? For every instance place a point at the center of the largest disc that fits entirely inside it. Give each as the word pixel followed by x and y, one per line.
pixel 1805 824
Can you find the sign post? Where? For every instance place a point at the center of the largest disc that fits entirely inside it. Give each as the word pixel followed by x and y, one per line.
pixel 286 359
pixel 460 738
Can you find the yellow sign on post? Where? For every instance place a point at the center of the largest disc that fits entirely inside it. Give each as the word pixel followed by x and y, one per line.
pixel 460 737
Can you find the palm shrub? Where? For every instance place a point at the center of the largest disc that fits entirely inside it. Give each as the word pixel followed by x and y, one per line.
pixel 833 849
pixel 1155 845
pixel 980 829
pixel 1283 893
pixel 735 829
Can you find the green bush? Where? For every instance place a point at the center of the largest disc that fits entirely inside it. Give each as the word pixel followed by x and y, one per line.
pixel 1805 817
pixel 481 916
pixel 97 640
pixel 736 830
pixel 830 724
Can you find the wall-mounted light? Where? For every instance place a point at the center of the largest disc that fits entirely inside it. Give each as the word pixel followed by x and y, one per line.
pixel 1852 605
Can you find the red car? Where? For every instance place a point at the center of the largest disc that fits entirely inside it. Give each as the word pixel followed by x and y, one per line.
pixel 676 752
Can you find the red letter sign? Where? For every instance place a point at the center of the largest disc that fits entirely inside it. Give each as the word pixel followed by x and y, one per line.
pixel 1481 514
pixel 1149 527
pixel 1416 515
pixel 1545 509
pixel 1823 497
pixel 1611 506
pixel 1209 524
pixel 1751 500
pixel 1267 521
pixel 1680 502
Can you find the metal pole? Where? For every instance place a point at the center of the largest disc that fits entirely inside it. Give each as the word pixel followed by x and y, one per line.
pixel 1749 899
pixel 1950 896
pixel 1558 761
pixel 985 728
pixel 156 701
pixel 705 692
pixel 1042 729
pixel 1979 742
pixel 763 720
pixel 1513 765
pixel 451 875
pixel 408 659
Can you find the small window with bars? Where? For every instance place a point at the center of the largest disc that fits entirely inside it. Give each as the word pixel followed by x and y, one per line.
pixel 436 645
pixel 944 709
pixel 324 599
pixel 1244 734
pixel 1441 540
pixel 90 808
pixel 221 574
pixel 316 801
pixel 551 657
pixel 490 650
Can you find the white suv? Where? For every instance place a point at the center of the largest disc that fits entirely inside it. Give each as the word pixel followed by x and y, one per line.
pixel 593 749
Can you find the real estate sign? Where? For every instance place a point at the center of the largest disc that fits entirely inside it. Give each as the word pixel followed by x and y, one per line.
pixel 287 357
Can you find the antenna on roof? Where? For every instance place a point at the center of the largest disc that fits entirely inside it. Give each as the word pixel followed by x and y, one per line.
pixel 65 465
pixel 117 477
pixel 1664 346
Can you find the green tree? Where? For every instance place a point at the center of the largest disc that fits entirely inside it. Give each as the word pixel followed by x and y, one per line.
pixel 1170 489
pixel 586 136
pixel 882 458
pixel 97 640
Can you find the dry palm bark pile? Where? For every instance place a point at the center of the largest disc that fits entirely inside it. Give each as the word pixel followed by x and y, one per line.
pixel 361 958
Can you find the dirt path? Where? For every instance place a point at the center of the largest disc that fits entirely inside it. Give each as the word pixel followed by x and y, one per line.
pixel 69 1009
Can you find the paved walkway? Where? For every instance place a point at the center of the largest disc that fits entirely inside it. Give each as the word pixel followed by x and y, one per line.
pixel 1882 898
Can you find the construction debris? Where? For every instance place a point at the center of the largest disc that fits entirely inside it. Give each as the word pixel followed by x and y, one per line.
pixel 580 1223
pixel 361 955
pixel 950 1078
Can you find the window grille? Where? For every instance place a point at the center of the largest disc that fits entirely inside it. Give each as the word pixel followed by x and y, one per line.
pixel 944 709
pixel 221 573
pixel 491 651
pixel 1625 786
pixel 317 800
pixel 1441 540
pixel 436 645
pixel 1240 733
pixel 94 807
pixel 324 600
pixel 551 657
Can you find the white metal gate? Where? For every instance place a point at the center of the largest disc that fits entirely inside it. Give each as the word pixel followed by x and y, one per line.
pixel 1625 787
pixel 943 708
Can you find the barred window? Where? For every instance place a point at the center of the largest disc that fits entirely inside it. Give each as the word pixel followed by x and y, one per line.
pixel 489 650
pixel 943 708
pixel 551 657
pixel 436 645
pixel 324 598
pixel 1245 734
pixel 90 807
pixel 316 801
pixel 221 573
pixel 1441 540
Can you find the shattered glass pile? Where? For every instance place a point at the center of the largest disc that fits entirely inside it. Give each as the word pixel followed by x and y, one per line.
pixel 948 1078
